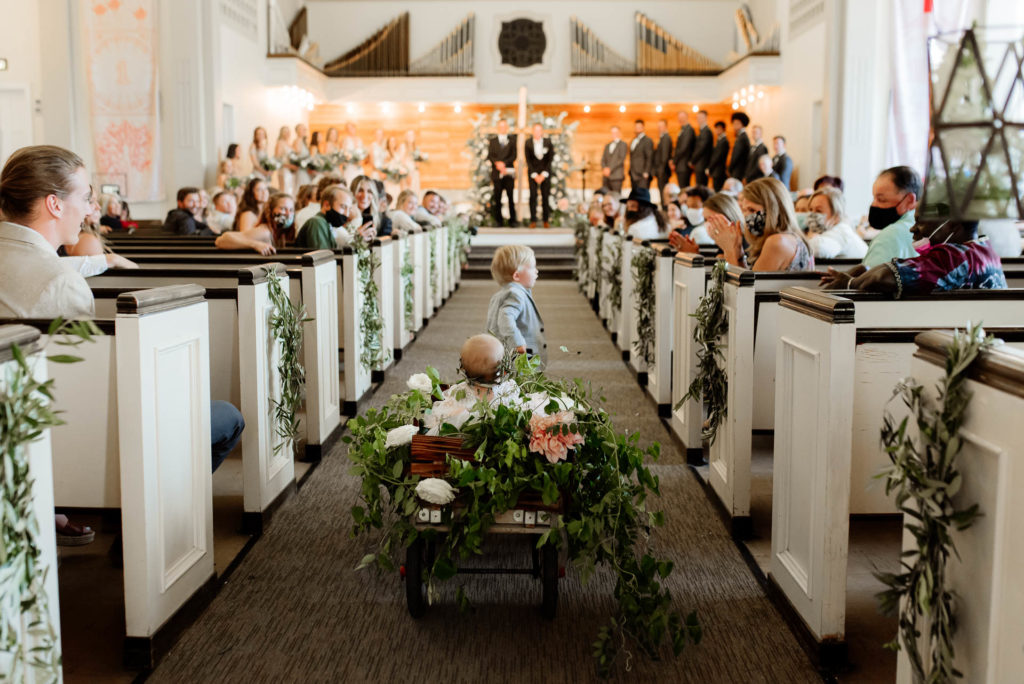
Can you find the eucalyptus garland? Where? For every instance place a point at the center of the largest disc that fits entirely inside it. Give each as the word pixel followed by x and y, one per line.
pixel 286 327
pixel 458 239
pixel 925 478
pixel 643 292
pixel 432 271
pixel 408 295
pixel 371 323
pixel 581 230
pixel 711 383
pixel 605 484
pixel 24 414
pixel 614 272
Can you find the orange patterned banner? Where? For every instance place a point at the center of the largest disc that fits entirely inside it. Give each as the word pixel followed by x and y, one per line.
pixel 121 45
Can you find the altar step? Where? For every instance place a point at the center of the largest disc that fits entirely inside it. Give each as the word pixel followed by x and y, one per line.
pixel 555 263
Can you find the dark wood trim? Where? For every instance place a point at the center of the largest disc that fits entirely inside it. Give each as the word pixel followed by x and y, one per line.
pixel 1001 368
pixel 255 522
pixel 887 336
pixel 254 275
pixel 347 250
pixel 41 325
pixel 315 452
pixel 143 653
pixel 694 456
pixel 641 378
pixel 318 257
pixel 739 277
pixel 211 292
pixel 1009 294
pixel 821 305
pixel 690 260
pixel 142 302
pixel 665 410
pixel 21 334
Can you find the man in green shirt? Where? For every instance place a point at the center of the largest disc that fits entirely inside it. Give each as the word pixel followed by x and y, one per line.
pixel 895 191
pixel 326 230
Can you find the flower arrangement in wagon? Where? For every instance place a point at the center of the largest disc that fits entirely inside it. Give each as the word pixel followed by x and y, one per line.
pixel 532 435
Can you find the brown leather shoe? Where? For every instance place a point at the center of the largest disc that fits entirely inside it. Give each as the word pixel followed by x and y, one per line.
pixel 533 224
pixel 547 225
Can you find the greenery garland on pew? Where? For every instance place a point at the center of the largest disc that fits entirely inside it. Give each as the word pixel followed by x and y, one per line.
pixel 643 287
pixel 614 272
pixel 711 384
pixel 459 238
pixel 286 327
pixel 371 323
pixel 408 295
pixel 581 231
pixel 605 484
pixel 432 271
pixel 925 478
pixel 24 414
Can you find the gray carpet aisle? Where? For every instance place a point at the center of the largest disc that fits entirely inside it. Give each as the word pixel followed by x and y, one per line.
pixel 295 610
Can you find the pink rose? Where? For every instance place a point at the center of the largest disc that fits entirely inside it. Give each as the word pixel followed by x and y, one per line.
pixel 553 445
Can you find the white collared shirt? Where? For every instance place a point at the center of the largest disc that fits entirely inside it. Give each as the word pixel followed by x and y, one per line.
pixel 538 148
pixel 632 145
pixel 502 140
pixel 36 282
pixel 612 144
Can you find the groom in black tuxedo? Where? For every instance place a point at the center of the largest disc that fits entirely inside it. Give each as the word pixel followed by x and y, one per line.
pixel 501 153
pixel 539 153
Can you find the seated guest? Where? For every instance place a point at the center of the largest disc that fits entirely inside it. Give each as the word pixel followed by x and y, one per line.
pixel 612 210
pixel 672 193
pixel 126 218
pixel 831 181
pixel 222 214
pixel 328 229
pixel 183 220
pixel 951 258
pixel 91 255
pixel 250 208
pixel 802 204
pixel 595 216
pixel 770 228
pixel 428 213
pixel 110 207
pixel 367 200
pixel 718 204
pixel 673 217
pixel 306 197
pixel 765 168
pixel 643 220
pixel 732 186
pixel 442 207
pixel 830 236
pixel 401 216
pixel 311 208
pixel 895 194
pixel 275 229
pixel 693 214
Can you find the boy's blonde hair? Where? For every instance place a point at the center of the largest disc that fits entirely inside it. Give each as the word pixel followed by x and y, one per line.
pixel 508 259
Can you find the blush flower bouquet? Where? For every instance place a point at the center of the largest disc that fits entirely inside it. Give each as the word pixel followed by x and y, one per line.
pixel 550 435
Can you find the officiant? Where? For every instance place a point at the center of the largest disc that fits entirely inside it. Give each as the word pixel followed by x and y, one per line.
pixel 539 154
pixel 501 153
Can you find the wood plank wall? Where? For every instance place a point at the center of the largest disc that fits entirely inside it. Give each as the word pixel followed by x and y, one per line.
pixel 442 134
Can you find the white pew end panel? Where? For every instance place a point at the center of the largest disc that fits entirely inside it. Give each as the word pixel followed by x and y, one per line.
pixel 689 278
pixel 320 295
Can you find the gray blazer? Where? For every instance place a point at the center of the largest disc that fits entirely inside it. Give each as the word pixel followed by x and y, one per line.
pixel 513 318
pixel 615 160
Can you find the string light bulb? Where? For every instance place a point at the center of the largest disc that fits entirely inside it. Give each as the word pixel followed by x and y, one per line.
pixel 422 108
pixel 586 109
pixel 622 108
pixel 696 109
pixel 760 95
pixel 349 108
pixel 743 102
pixel 658 109
pixel 458 109
pixel 735 105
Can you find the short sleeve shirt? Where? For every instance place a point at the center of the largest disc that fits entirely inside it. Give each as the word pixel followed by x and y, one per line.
pixel 896 241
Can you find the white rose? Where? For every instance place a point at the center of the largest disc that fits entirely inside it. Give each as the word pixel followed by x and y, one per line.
pixel 435 490
pixel 449 411
pixel 421 382
pixel 400 436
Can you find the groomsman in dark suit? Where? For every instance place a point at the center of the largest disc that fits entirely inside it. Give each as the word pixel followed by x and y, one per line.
pixel 702 149
pixel 641 156
pixel 613 163
pixel 740 146
pixel 539 153
pixel 782 162
pixel 662 158
pixel 759 150
pixel 684 151
pixel 502 155
pixel 719 156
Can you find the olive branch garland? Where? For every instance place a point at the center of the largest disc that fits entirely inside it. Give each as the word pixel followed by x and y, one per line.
pixel 711 384
pixel 408 298
pixel 581 229
pixel 371 323
pixel 25 412
pixel 432 270
pixel 643 286
pixel 286 327
pixel 925 478
pixel 614 272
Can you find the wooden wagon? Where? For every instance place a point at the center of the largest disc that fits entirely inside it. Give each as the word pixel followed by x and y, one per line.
pixel 530 517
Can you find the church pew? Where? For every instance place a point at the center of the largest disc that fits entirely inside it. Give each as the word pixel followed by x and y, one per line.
pixel 404 325
pixel 838 358
pixel 420 259
pixel 624 334
pixel 154 369
pixel 986 573
pixel 656 376
pixel 311 283
pixel 689 279
pixel 593 274
pixel 38 455
pixel 604 304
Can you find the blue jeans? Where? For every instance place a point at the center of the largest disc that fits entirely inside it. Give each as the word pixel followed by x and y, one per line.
pixel 226 425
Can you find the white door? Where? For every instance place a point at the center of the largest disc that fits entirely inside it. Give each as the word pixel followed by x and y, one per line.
pixel 15 120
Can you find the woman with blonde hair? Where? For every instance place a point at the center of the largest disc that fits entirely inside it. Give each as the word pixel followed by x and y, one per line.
pixel 830 235
pixel 276 228
pixel 282 150
pixel 401 216
pixel 770 228
pixel 720 205
pixel 258 152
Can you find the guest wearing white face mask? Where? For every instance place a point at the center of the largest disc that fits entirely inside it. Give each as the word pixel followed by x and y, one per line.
pixel 693 215
pixel 828 232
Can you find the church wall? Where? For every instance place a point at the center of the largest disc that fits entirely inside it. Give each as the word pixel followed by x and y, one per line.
pixel 19 45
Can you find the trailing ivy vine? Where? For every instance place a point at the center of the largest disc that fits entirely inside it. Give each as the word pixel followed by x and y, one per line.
pixel 643 289
pixel 711 384
pixel 24 606
pixel 614 272
pixel 408 294
pixel 375 352
pixel 286 327
pixel 925 478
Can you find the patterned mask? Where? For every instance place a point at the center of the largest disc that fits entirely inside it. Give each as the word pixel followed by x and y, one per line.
pixel 755 223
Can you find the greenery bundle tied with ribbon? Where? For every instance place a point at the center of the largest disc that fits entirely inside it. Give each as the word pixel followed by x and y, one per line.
pixel 614 272
pixel 375 352
pixel 286 327
pixel 24 414
pixel 645 295
pixel 711 384
pixel 408 294
pixel 531 434
pixel 925 478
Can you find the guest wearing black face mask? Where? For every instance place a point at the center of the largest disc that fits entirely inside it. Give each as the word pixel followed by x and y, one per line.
pixel 892 212
pixel 327 230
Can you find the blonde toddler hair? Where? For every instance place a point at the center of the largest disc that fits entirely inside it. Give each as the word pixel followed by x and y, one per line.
pixel 508 259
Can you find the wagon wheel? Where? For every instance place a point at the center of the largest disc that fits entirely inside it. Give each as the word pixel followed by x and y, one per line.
pixel 549 578
pixel 415 589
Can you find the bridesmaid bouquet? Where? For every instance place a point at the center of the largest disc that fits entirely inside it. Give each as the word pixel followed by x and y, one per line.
pixel 270 164
pixel 420 157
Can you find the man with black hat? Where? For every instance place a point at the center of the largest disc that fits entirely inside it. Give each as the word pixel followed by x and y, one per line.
pixel 643 220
